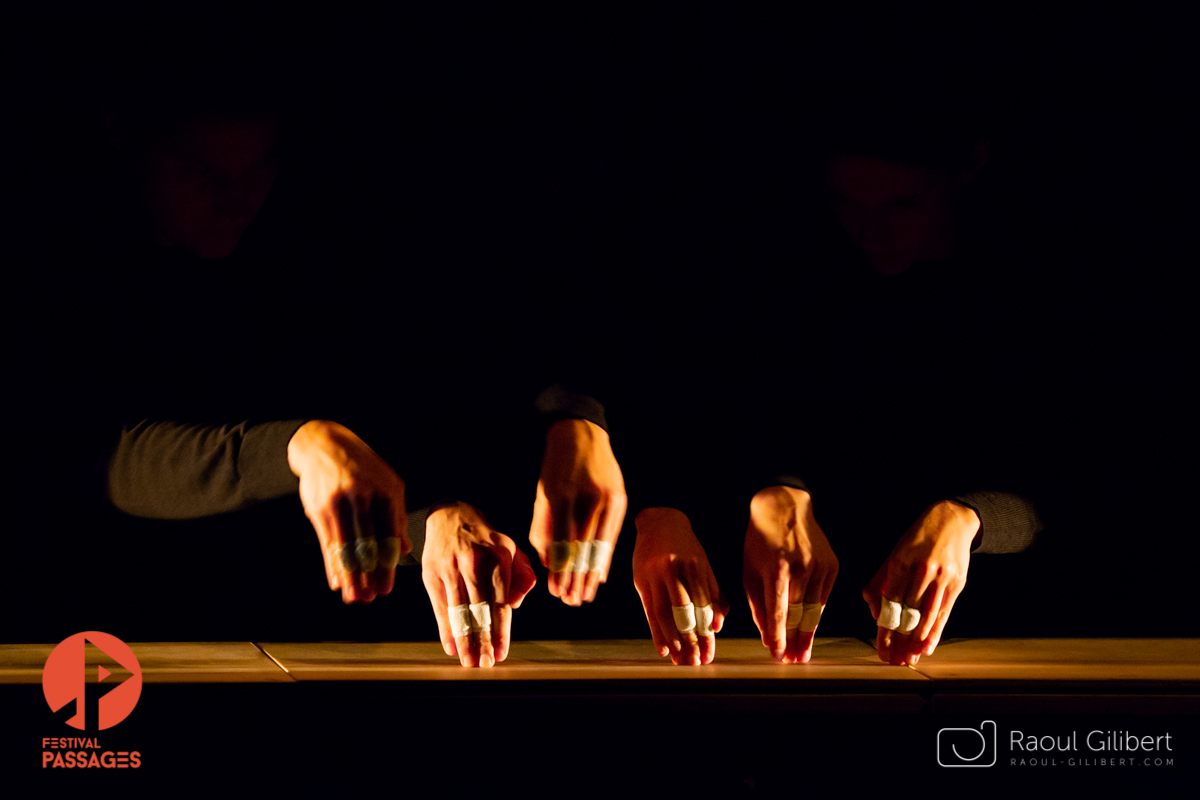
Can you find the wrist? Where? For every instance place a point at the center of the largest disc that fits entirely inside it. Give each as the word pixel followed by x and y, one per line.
pixel 964 520
pixel 652 518
pixel 305 442
pixel 779 498
pixel 575 431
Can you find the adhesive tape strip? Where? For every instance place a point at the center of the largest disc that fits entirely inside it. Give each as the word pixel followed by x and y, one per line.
pixel 685 617
pixel 910 618
pixel 367 553
pixel 389 552
pixel 601 553
pixel 460 620
pixel 344 554
pixel 581 556
pixel 795 614
pixel 560 555
pixel 889 615
pixel 811 616
pixel 704 618
pixel 481 617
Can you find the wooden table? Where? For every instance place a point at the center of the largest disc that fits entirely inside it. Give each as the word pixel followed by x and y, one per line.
pixel 313 706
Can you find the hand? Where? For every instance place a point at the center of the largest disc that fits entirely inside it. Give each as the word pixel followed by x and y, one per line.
pixel 786 560
pixel 671 569
pixel 465 562
pixel 352 498
pixel 926 570
pixel 580 498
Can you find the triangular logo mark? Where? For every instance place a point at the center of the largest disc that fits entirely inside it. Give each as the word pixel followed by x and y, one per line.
pixel 103 674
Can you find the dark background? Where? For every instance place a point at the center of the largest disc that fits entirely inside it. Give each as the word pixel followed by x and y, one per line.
pixel 467 196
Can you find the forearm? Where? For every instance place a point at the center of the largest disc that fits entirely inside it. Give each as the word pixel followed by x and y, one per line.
pixel 173 470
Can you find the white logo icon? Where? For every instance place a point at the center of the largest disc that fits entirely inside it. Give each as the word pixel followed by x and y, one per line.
pixel 967 747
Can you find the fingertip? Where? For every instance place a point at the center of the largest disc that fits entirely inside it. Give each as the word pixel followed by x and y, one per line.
pixel 449 648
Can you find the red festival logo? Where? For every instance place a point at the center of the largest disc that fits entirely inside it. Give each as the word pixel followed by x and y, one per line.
pixel 64 678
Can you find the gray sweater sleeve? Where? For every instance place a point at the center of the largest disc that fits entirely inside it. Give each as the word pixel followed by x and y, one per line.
pixel 172 470
pixel 1009 523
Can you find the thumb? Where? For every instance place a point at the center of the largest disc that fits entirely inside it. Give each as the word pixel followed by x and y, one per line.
pixel 874 591
pixel 523 579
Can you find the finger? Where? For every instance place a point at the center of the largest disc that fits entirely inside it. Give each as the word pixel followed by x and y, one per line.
pixel 719 603
pixel 800 642
pixel 895 588
pixel 523 579
pixel 456 596
pixel 883 644
pixel 697 584
pixel 501 574
pixel 502 628
pixel 775 593
pixel 437 598
pixel 827 586
pixel 384 578
pixel 902 642
pixel 398 511
pixel 929 610
pixel 873 591
pixel 610 529
pixel 666 619
pixel 797 642
pixel 755 590
pixel 473 568
pixel 365 548
pixel 501 578
pixel 328 554
pixel 679 595
pixel 943 616
pixel 926 599
pixel 562 529
pixel 342 521
pixel 661 643
pixel 540 528
pixel 588 515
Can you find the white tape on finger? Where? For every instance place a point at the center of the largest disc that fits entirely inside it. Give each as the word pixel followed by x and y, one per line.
pixel 810 616
pixel 704 619
pixel 560 555
pixel 367 553
pixel 389 552
pixel 343 554
pixel 481 617
pixel 685 617
pixel 795 613
pixel 581 556
pixel 889 615
pixel 601 553
pixel 910 618
pixel 460 620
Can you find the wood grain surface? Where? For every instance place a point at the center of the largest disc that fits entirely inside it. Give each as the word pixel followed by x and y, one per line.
pixel 161 662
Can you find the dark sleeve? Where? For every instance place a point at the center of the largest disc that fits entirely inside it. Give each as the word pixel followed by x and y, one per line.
pixel 173 470
pixel 558 402
pixel 1009 523
pixel 416 535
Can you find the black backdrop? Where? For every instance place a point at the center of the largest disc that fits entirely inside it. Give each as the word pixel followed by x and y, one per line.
pixel 582 186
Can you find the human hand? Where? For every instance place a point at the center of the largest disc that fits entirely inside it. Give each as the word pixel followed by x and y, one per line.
pixel 579 509
pixel 355 501
pixel 671 570
pixel 786 561
pixel 475 577
pixel 926 572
